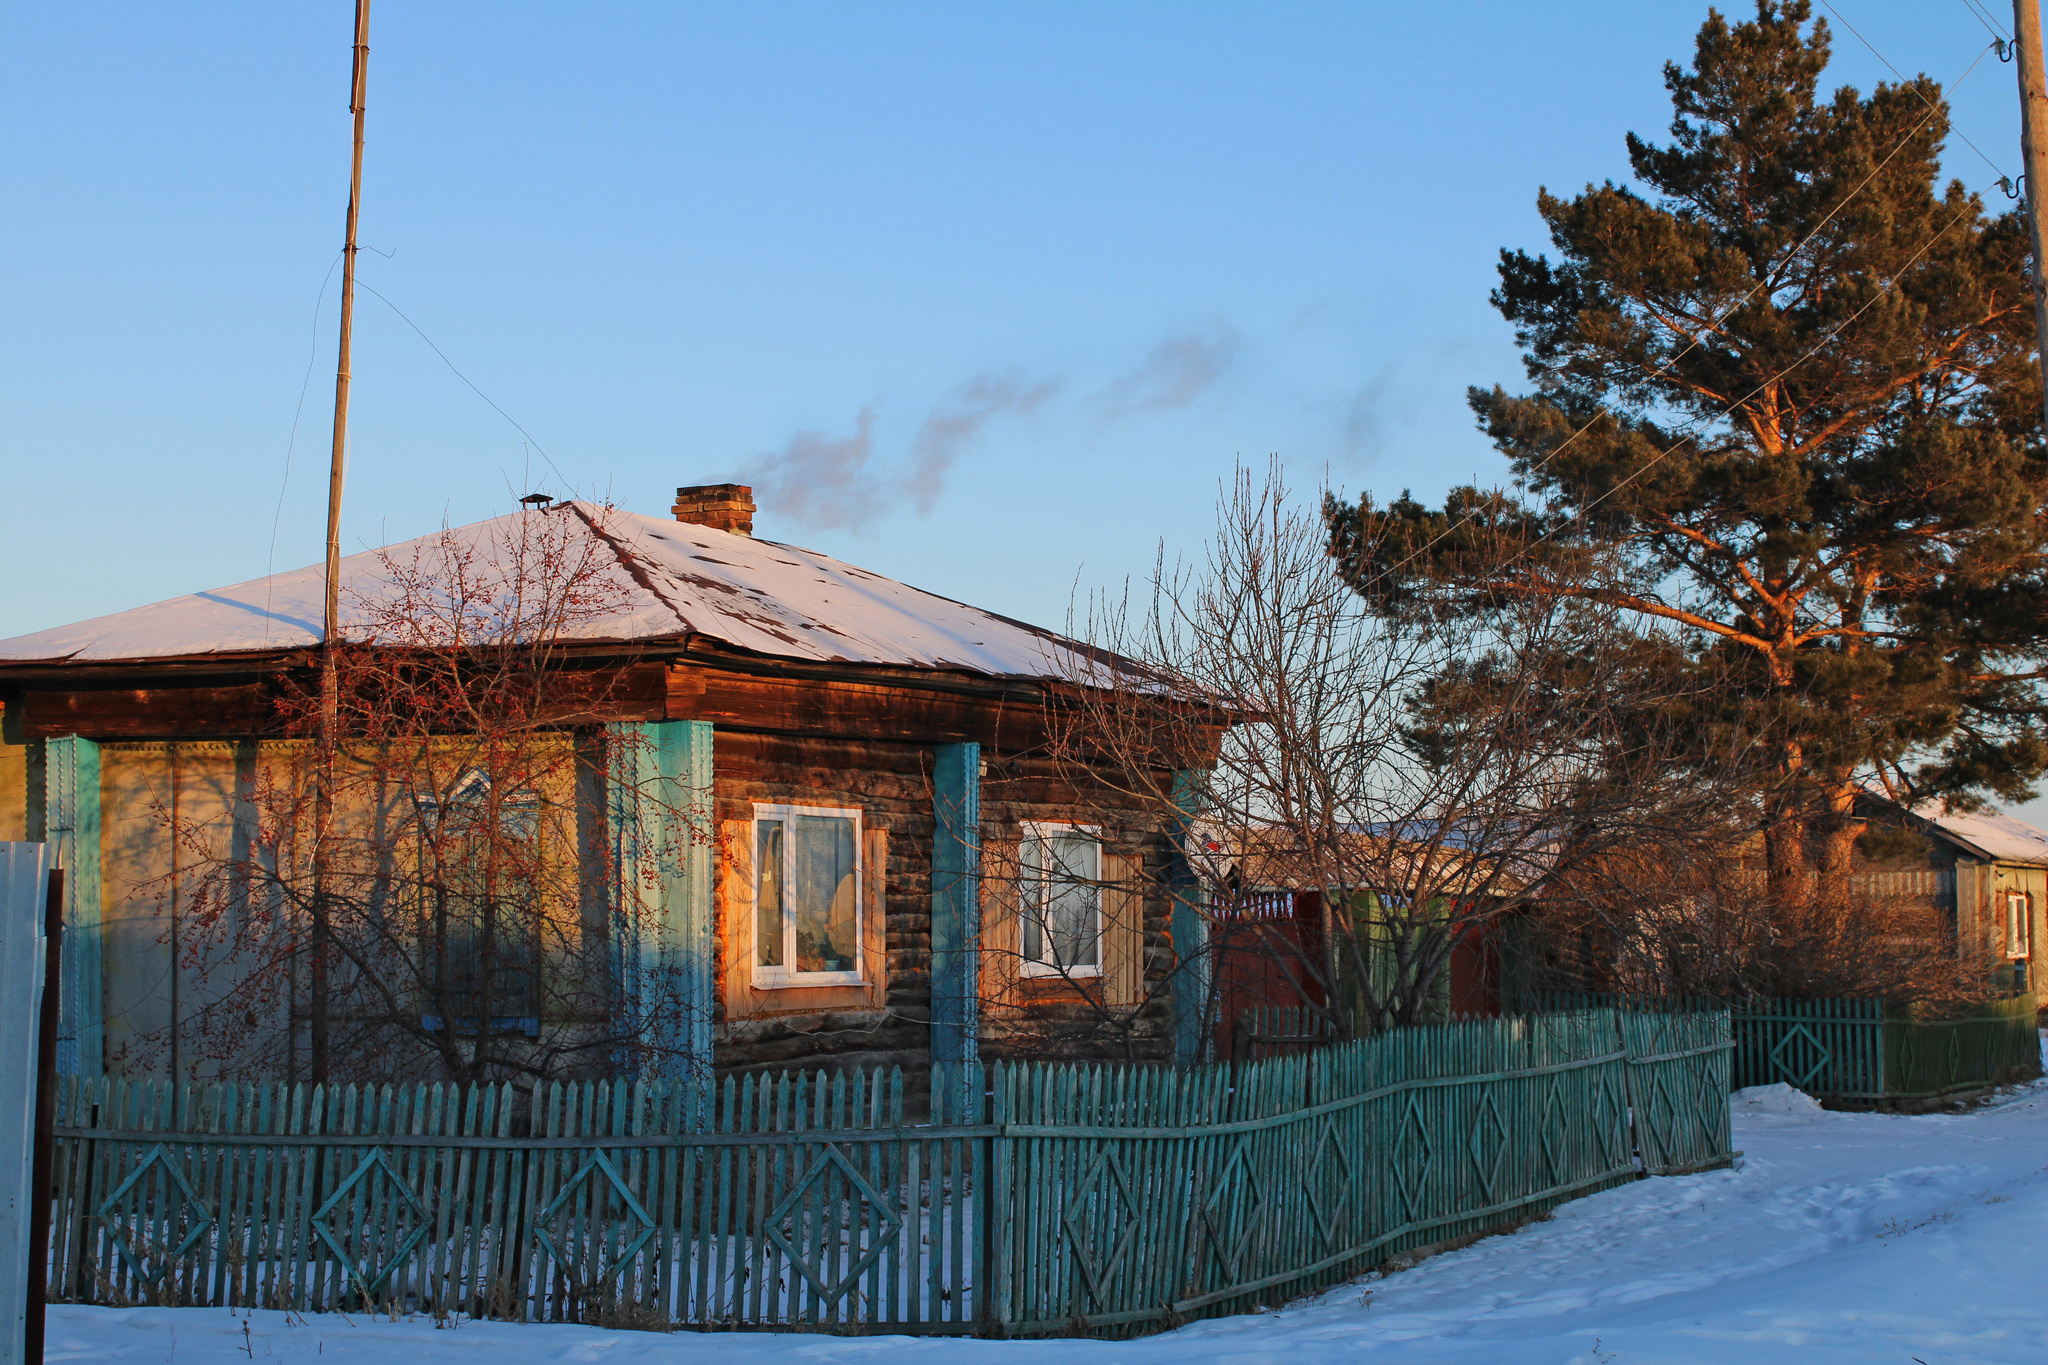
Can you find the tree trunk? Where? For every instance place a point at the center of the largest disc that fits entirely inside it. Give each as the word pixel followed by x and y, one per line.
pixel 1785 829
pixel 1838 834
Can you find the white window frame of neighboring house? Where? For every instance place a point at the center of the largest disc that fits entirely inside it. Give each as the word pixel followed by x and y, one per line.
pixel 1031 898
pixel 786 975
pixel 2019 924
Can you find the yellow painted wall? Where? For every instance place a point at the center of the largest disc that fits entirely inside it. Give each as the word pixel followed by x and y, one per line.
pixel 14 784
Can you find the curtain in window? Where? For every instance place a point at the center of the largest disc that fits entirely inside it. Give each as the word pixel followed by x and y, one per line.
pixel 809 879
pixel 1062 916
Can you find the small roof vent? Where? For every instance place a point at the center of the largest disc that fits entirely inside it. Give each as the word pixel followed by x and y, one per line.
pixel 722 506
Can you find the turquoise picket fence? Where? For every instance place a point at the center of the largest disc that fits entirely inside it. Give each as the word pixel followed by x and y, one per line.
pixel 1863 1049
pixel 1034 1199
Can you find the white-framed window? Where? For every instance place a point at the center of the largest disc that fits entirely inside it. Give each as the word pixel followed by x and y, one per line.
pixel 807 896
pixel 1061 876
pixel 2019 924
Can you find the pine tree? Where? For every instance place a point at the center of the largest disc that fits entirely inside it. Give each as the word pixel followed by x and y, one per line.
pixel 1789 382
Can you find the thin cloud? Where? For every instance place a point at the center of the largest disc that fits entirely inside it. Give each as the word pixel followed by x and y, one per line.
pixel 1174 373
pixel 825 482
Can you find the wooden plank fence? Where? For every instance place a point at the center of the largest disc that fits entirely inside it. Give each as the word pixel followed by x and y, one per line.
pixel 1863 1049
pixel 1090 1199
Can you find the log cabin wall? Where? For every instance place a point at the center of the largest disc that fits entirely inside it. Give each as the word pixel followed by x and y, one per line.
pixel 889 782
pixel 1125 1013
pixel 777 740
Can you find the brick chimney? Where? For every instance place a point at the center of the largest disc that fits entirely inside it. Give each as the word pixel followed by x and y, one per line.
pixel 723 506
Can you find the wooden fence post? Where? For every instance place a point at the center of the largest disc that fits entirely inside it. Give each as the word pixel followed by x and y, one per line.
pixel 22 873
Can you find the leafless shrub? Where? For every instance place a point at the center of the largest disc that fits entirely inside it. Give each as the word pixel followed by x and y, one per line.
pixel 463 905
pixel 1416 776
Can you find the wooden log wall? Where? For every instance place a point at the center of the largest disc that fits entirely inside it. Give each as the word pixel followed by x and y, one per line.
pixel 790 734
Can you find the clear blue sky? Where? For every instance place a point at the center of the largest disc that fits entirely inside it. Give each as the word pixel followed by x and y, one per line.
pixel 1042 272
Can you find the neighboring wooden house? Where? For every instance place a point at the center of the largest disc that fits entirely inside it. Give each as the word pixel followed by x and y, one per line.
pixel 1979 879
pixel 1268 930
pixel 771 682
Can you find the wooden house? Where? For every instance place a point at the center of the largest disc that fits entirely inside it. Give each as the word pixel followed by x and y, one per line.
pixel 792 711
pixel 1978 879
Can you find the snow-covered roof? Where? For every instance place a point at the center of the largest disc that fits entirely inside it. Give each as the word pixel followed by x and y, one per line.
pixel 668 580
pixel 1998 837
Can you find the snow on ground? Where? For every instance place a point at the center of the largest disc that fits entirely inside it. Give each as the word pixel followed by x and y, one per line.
pixel 1843 1237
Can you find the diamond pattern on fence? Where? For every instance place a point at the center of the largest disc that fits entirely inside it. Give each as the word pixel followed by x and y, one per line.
pixel 1414 1153
pixel 1658 1118
pixel 1489 1136
pixel 1096 1273
pixel 359 1193
pixel 1550 1132
pixel 785 1227
pixel 1800 1056
pixel 1706 1089
pixel 1238 1190
pixel 1327 1184
pixel 575 1254
pixel 150 1261
pixel 1073 1232
pixel 1611 1114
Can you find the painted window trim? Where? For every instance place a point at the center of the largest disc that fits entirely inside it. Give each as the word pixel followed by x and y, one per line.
pixel 2019 925
pixel 1028 968
pixel 783 978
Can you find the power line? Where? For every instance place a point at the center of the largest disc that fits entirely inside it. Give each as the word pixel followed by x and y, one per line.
pixel 1815 350
pixel 473 388
pixel 1923 96
pixel 1714 325
pixel 1985 18
pixel 312 356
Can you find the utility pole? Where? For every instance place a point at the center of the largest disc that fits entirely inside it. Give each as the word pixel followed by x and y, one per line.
pixel 2026 32
pixel 330 693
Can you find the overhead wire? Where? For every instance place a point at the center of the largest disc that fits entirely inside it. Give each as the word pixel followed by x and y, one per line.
pixel 1923 95
pixel 291 442
pixel 1985 18
pixel 2003 180
pixel 566 485
pixel 1714 324
pixel 1871 302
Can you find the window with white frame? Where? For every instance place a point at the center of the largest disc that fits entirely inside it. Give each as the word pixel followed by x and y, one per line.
pixel 2019 924
pixel 1061 876
pixel 807 929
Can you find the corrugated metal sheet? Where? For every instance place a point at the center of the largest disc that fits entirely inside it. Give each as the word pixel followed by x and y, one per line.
pixel 669 579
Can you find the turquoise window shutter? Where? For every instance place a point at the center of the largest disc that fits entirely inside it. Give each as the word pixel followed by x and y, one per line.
pixel 72 815
pixel 956 903
pixel 663 847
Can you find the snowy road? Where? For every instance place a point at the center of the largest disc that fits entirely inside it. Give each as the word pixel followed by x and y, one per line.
pixel 1844 1237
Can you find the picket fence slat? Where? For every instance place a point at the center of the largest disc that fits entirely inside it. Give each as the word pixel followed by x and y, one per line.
pixel 1033 1199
